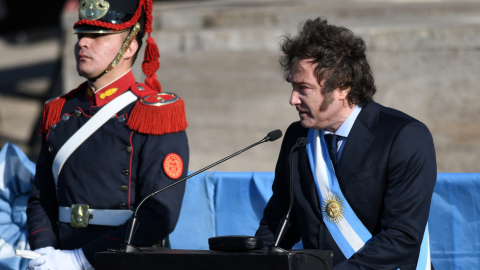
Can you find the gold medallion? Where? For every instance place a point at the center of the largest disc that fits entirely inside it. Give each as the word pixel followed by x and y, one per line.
pixel 93 9
pixel 333 208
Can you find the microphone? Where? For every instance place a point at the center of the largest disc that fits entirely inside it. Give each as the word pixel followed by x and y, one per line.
pixel 285 223
pixel 274 135
pixel 133 224
pixel 301 142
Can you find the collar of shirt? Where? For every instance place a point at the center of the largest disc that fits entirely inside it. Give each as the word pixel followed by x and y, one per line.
pixel 110 91
pixel 344 130
pixel 347 125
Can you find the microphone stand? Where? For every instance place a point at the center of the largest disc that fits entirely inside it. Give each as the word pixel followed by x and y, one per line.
pixel 133 224
pixel 285 222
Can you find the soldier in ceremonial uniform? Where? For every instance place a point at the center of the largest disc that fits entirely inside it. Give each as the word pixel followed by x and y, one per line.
pixel 107 144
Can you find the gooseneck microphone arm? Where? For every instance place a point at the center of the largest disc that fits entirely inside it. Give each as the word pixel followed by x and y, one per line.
pixel 285 222
pixel 271 136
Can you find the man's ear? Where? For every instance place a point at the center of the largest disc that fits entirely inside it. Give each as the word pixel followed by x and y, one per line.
pixel 131 50
pixel 343 92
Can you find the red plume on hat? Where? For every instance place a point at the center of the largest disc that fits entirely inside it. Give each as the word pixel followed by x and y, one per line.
pixel 150 63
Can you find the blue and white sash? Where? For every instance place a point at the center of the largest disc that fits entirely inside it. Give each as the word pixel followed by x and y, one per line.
pixel 344 226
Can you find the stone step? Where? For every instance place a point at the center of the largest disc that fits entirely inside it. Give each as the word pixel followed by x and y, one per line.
pixel 240 14
pixel 244 26
pixel 257 27
pixel 260 40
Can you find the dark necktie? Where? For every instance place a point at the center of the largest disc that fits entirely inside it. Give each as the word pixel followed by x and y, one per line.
pixel 331 141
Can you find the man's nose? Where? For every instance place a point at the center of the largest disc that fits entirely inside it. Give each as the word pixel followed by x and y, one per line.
pixel 294 100
pixel 83 42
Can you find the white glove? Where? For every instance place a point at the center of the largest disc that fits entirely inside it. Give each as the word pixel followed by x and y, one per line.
pixel 55 259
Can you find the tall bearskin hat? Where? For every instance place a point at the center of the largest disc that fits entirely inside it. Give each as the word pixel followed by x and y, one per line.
pixel 113 16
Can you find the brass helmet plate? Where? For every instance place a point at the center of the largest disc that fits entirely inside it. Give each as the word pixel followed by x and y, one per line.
pixel 93 9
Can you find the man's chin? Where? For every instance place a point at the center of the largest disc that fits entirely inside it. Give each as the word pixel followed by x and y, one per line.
pixel 82 72
pixel 309 123
pixel 306 123
pixel 86 75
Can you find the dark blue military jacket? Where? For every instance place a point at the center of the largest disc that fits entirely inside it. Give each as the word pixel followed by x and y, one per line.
pixel 115 168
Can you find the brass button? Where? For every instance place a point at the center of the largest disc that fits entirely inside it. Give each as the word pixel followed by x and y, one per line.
pixel 78 113
pixel 124 188
pixel 128 149
pixel 50 148
pixel 65 118
pixel 126 172
pixel 121 118
pixel 123 206
pixel 54 126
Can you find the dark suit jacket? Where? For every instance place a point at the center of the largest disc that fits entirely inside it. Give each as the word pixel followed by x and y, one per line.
pixel 387 172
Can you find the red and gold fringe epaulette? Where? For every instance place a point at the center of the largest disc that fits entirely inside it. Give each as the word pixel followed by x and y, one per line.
pixel 157 113
pixel 53 108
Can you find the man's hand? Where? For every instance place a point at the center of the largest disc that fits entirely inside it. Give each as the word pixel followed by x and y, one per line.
pixel 55 259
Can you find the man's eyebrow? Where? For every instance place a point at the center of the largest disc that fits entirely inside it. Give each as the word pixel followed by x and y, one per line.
pixel 299 82
pixel 293 81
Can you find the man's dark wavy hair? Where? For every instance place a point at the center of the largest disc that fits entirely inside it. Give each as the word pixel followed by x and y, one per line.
pixel 339 55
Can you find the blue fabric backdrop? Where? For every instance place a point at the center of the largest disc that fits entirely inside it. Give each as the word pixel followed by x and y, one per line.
pixel 454 221
pixel 219 203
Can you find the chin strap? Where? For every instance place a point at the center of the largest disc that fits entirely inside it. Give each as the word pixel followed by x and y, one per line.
pixel 123 49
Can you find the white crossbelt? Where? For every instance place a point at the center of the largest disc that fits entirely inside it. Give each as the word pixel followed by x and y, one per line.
pixel 88 129
pixel 98 216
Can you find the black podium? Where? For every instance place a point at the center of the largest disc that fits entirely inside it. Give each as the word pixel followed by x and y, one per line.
pixel 177 259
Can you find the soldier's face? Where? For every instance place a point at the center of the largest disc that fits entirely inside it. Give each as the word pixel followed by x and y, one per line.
pixel 316 109
pixel 95 52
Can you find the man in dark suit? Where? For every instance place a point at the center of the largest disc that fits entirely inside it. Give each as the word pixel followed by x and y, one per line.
pixel 383 160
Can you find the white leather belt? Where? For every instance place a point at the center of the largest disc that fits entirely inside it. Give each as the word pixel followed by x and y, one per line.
pixel 96 216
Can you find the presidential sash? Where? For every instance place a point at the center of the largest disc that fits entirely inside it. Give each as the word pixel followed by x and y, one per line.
pixel 346 229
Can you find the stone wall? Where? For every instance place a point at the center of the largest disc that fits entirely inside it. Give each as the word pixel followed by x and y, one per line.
pixel 221 58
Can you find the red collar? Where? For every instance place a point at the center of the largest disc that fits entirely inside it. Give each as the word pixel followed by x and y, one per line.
pixel 111 91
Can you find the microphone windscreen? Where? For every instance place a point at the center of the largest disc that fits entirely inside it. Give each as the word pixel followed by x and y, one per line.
pixel 302 141
pixel 274 135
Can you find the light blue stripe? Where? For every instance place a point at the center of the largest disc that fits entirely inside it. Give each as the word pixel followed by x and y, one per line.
pixel 350 215
pixel 334 231
pixel 342 243
pixel 422 258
